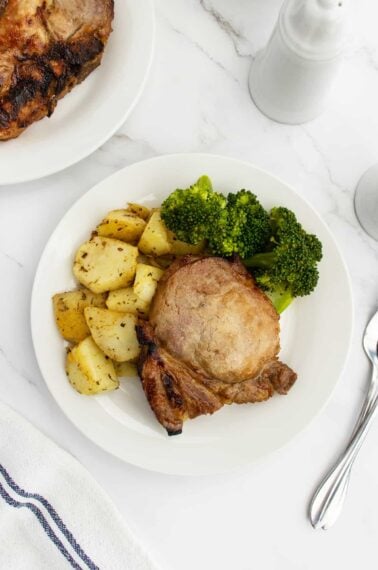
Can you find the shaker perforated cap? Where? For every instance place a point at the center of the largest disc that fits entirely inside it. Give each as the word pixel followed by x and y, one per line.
pixel 315 28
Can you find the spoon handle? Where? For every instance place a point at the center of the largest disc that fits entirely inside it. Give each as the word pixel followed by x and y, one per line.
pixel 328 499
pixel 369 399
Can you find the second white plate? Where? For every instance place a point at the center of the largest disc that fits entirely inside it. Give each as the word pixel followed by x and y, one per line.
pixel 315 336
pixel 94 110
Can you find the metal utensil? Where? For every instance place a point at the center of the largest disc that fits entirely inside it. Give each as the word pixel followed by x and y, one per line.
pixel 328 500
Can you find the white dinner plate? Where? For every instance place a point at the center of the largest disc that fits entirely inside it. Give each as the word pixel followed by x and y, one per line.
pixel 315 335
pixel 88 116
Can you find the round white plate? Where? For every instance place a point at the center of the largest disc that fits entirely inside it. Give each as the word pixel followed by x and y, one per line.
pixel 315 336
pixel 88 116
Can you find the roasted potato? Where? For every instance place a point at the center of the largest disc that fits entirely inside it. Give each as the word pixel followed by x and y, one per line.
pixel 104 264
pixel 139 210
pixel 146 280
pixel 69 312
pixel 148 259
pixel 114 333
pixel 126 301
pixel 155 239
pixel 123 225
pixel 181 248
pixel 89 371
pixel 126 369
pixel 163 262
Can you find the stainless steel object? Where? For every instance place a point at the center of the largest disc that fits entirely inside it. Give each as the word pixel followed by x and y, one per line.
pixel 329 497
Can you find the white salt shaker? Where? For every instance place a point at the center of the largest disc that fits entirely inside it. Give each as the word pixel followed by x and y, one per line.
pixel 291 78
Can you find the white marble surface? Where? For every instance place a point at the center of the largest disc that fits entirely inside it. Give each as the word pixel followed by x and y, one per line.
pixel 196 99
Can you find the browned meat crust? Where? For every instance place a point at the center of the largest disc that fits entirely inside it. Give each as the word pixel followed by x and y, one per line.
pixel 46 48
pixel 212 339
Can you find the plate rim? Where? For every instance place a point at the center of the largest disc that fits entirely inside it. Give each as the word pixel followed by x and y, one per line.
pixel 247 461
pixel 20 179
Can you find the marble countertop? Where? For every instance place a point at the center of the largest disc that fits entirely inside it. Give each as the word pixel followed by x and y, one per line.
pixel 196 99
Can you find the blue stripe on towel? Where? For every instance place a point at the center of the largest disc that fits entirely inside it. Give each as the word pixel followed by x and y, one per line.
pixel 54 515
pixel 46 527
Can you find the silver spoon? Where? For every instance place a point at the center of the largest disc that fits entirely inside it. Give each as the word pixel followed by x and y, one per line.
pixel 328 500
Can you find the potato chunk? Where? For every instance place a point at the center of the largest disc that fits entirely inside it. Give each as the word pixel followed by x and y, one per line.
pixel 179 247
pixel 89 371
pixel 104 264
pixel 126 369
pixel 146 280
pixel 123 225
pixel 139 210
pixel 163 262
pixel 114 333
pixel 155 239
pixel 125 301
pixel 69 312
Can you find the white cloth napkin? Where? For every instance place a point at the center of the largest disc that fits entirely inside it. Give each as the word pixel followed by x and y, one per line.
pixel 53 515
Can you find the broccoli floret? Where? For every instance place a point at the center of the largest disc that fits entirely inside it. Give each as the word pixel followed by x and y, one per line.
pixel 237 224
pixel 190 213
pixel 288 266
pixel 243 228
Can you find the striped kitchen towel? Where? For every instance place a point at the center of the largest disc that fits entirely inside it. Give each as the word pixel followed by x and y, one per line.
pixel 53 515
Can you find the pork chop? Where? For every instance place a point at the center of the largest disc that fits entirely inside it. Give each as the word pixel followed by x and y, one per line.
pixel 46 48
pixel 212 339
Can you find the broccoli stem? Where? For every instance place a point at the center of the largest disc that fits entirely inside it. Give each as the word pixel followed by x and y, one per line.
pixel 261 260
pixel 280 300
pixel 204 183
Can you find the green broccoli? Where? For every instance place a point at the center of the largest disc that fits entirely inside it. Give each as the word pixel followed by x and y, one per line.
pixel 287 268
pixel 237 224
pixel 190 213
pixel 243 228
